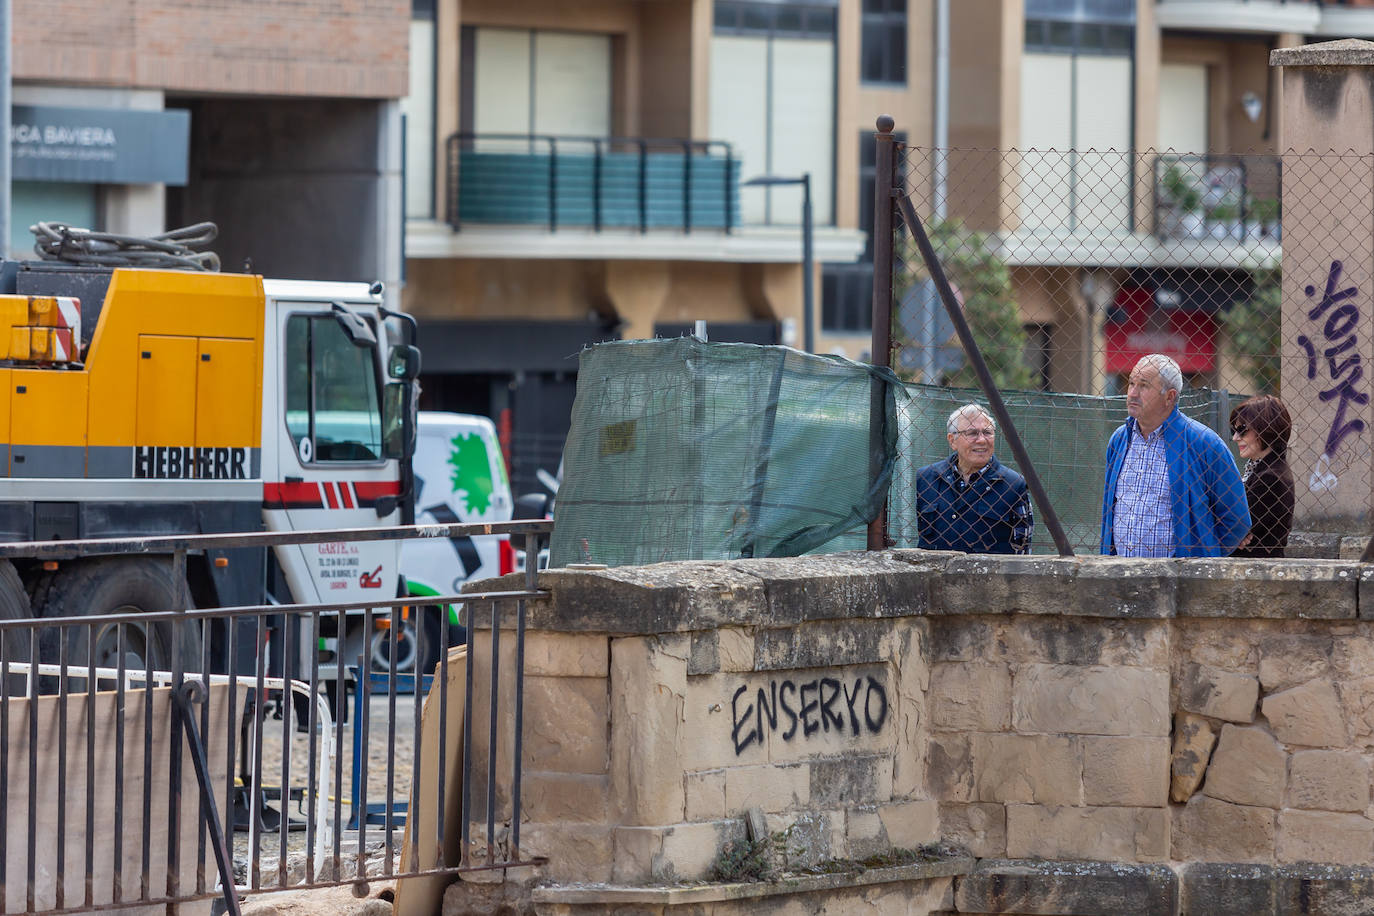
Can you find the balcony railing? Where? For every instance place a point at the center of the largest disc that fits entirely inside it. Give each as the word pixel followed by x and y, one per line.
pixel 1228 198
pixel 597 182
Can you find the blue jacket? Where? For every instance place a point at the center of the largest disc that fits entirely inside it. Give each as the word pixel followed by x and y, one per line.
pixel 1206 493
pixel 991 515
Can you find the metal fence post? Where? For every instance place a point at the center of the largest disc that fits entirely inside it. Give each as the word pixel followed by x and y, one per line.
pixel 881 348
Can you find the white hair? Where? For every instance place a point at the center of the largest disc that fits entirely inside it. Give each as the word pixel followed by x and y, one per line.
pixel 1169 372
pixel 968 410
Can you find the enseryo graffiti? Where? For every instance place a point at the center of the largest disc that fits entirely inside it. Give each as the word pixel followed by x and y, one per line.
pixel 819 705
pixel 1343 369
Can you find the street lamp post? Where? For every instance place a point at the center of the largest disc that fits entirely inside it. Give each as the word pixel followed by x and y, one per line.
pixel 808 254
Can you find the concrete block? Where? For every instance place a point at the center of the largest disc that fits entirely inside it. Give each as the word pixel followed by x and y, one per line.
pixel 823 644
pixel 657 598
pixel 1288 659
pixel 843 586
pixel 1130 772
pixel 1219 694
pixel 679 852
pixel 1111 586
pixel 1059 699
pixel 649 689
pixel 990 584
pixel 565 724
pixel 910 824
pixel 1193 741
pixel 772 788
pixel 706 795
pixel 1324 836
pixel 963 639
pixel 567 654
pixel 716 733
pixel 736 649
pixel 1357 706
pixel 1085 641
pixel 704 656
pixel 1228 889
pixel 980 828
pixel 811 836
pixel 950 767
pixel 1309 714
pixel 1248 768
pixel 1326 890
pixel 864 834
pixel 576 852
pixel 970 697
pixel 863 779
pixel 1037 769
pixel 1210 830
pixel 1314 589
pixel 1328 781
pixel 572 797
pixel 1105 834
pixel 1064 888
pixel 1365 599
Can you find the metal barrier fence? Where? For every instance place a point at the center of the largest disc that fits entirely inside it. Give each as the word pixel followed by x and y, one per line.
pixel 122 785
pixel 1069 267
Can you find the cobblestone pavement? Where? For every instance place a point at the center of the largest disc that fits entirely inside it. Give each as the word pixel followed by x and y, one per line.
pixel 381 747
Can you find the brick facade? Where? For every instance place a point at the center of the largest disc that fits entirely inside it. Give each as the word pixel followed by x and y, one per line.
pixel 354 48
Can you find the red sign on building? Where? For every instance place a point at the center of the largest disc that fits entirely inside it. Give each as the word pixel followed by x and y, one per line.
pixel 1140 327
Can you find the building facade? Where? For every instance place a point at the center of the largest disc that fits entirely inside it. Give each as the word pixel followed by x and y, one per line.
pixel 589 171
pixel 279 122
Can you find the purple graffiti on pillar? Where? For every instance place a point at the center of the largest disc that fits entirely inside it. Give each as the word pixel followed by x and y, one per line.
pixel 1343 366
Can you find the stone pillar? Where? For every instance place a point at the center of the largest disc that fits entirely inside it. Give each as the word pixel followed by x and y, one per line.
pixel 1328 280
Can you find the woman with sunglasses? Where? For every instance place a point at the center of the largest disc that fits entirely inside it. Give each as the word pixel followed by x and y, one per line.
pixel 1260 427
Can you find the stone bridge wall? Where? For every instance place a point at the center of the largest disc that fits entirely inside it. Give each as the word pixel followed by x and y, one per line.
pixel 1129 711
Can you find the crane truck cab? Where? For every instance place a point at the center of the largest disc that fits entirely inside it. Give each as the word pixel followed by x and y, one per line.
pixel 162 402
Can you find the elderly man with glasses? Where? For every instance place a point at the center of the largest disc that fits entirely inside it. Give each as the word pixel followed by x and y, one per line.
pixel 969 501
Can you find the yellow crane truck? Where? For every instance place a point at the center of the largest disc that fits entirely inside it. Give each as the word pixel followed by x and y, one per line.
pixel 141 402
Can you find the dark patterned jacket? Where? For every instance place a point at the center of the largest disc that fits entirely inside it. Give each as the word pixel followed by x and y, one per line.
pixel 989 514
pixel 1269 491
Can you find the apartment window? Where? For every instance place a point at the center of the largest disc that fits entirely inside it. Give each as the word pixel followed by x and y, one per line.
pixel 791 20
pixel 418 110
pixel 522 81
pixel 1076 107
pixel 847 289
pixel 772 97
pixel 883 56
pixel 1080 26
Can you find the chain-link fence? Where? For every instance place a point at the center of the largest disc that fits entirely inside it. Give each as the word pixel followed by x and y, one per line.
pixel 1250 273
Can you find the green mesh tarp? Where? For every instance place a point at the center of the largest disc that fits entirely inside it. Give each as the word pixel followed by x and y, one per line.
pixel 1065 435
pixel 681 449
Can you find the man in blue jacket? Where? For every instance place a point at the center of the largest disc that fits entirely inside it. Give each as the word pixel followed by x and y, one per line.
pixel 1172 487
pixel 969 501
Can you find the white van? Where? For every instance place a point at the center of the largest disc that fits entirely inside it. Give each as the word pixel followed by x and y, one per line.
pixel 460 476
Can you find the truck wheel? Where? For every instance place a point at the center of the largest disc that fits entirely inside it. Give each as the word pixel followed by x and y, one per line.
pixel 14 605
pixel 118 585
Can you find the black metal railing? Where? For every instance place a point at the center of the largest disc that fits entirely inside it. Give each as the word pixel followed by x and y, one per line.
pixel 598 182
pixel 1229 198
pixel 94 741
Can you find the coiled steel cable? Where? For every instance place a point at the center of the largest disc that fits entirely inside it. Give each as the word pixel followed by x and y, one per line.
pixel 175 248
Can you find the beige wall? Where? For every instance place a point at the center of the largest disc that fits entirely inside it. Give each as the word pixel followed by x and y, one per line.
pixel 256 47
pixel 637 293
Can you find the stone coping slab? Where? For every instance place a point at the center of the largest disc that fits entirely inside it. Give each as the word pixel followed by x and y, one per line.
pixel 1067 888
pixel 692 596
pixel 678 895
pixel 1344 52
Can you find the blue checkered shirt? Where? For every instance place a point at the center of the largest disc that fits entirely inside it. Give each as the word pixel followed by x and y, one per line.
pixel 1143 522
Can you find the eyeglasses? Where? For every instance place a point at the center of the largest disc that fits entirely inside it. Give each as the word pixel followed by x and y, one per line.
pixel 1239 429
pixel 977 433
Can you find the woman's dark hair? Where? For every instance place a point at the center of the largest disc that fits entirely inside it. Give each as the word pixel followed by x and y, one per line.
pixel 1268 417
